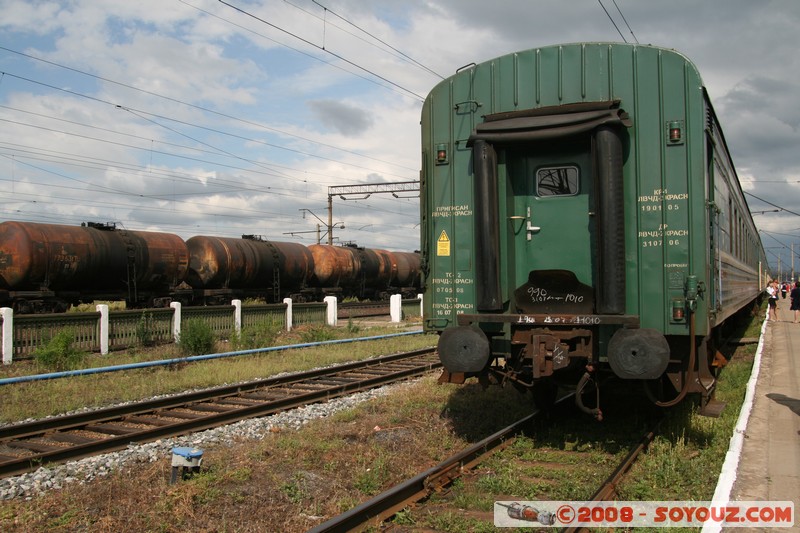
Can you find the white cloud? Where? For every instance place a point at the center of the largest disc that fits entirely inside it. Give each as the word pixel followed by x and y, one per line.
pixel 268 128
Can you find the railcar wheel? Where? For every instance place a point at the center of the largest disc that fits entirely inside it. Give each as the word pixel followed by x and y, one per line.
pixel 545 392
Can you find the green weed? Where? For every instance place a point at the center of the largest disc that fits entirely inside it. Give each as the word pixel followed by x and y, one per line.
pixel 317 334
pixel 258 336
pixel 144 330
pixel 59 353
pixel 196 338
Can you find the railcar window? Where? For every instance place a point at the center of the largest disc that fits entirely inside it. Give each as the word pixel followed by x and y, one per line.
pixel 557 181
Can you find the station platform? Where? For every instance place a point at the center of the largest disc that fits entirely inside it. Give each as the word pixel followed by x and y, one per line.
pixel 763 463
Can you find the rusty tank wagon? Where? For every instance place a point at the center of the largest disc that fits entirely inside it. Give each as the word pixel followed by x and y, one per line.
pixel 364 273
pixel 222 268
pixel 48 267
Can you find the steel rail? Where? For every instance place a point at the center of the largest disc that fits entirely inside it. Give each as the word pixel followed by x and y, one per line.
pixel 608 489
pixel 330 383
pixel 374 511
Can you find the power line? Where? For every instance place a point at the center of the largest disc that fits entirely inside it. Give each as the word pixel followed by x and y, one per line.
pixel 151 150
pixel 53 156
pixel 77 160
pixel 106 102
pixel 612 20
pixel 773 205
pixel 163 197
pixel 306 41
pixel 111 190
pixel 139 137
pixel 626 22
pixel 409 58
pixel 193 106
pixel 310 56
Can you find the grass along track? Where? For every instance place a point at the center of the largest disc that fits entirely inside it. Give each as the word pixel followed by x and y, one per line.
pixel 25 447
pixel 39 399
pixel 294 480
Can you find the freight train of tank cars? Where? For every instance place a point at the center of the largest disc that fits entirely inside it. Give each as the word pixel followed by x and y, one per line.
pixel 583 224
pixel 47 267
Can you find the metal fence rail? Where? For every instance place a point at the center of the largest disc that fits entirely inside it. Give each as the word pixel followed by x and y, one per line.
pixel 139 327
pixel 23 334
pixel 308 313
pixel 411 308
pixel 255 315
pixel 218 317
pixel 33 331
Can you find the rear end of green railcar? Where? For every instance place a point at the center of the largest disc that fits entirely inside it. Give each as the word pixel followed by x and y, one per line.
pixel 581 214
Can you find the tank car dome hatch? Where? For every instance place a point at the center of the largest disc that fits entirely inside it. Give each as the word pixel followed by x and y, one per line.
pixel 463 349
pixel 638 353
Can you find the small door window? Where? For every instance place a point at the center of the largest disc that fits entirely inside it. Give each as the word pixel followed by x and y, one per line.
pixel 557 181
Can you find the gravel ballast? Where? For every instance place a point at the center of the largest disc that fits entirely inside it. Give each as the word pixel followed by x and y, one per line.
pixel 32 484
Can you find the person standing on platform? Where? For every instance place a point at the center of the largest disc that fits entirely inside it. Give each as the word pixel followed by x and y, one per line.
pixel 795 296
pixel 772 290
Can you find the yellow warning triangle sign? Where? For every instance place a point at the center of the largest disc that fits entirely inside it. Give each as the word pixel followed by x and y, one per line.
pixel 443 245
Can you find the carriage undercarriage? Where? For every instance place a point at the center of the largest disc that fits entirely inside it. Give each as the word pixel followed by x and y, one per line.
pixel 543 358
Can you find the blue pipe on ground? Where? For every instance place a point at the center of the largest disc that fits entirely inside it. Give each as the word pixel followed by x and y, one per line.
pixel 165 362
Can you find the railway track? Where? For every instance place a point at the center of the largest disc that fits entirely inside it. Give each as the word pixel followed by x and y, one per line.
pixel 383 506
pixel 25 447
pixel 373 512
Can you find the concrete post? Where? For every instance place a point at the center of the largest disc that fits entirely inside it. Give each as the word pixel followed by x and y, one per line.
pixel 396 307
pixel 103 310
pixel 8 334
pixel 237 316
pixel 176 321
pixel 332 317
pixel 421 307
pixel 288 302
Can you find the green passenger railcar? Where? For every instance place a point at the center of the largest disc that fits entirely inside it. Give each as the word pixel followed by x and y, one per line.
pixel 581 214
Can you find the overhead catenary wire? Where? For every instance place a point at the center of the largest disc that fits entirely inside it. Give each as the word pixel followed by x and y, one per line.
pixel 181 102
pixel 258 214
pixel 612 21
pixel 166 196
pixel 406 56
pixel 626 22
pixel 338 56
pixel 149 149
pixel 297 50
pixel 772 204
pixel 129 135
pixel 81 161
pixel 139 113
pixel 223 188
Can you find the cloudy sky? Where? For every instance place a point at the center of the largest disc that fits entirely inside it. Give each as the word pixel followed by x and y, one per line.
pixel 204 117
